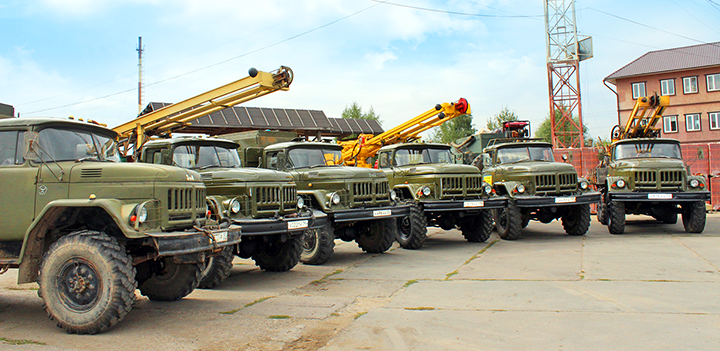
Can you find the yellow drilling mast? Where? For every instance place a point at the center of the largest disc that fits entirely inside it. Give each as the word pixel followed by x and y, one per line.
pixel 175 117
pixel 356 152
pixel 645 114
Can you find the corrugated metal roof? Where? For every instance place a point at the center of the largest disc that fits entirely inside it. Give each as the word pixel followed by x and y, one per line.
pixel 677 59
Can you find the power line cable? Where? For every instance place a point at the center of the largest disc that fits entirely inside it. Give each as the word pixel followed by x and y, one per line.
pixel 693 16
pixel 455 12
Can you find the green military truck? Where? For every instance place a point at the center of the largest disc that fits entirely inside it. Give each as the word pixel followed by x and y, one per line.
pixel 265 203
pixel 90 230
pixel 537 187
pixel 358 201
pixel 440 193
pixel 648 176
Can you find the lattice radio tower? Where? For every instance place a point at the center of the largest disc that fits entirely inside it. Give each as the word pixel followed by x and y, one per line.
pixel 564 53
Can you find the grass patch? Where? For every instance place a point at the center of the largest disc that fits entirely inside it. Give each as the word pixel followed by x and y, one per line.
pixel 421 308
pixel 410 282
pixel 279 316
pixel 447 276
pixel 481 251
pixel 325 278
pixel 20 342
pixel 247 305
pixel 359 314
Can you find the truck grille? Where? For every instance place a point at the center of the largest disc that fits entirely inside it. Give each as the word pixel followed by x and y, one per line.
pixel 183 203
pixel 275 198
pixel 667 179
pixel 363 192
pixel 555 182
pixel 462 186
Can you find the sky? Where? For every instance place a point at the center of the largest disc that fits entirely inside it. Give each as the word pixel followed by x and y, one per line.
pixel 401 57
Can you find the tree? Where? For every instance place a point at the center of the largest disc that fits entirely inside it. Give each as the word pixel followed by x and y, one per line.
pixel 543 131
pixel 454 129
pixel 354 111
pixel 504 115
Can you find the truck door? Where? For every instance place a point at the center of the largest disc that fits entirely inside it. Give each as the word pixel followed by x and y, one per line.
pixel 17 198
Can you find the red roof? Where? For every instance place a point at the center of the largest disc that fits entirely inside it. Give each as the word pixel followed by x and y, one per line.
pixel 677 59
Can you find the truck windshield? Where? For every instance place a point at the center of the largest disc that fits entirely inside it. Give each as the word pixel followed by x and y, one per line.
pixel 314 157
pixel 193 156
pixel 525 153
pixel 642 150
pixel 416 156
pixel 69 145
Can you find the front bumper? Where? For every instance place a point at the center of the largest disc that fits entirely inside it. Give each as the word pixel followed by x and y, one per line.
pixel 672 196
pixel 464 205
pixel 366 214
pixel 296 225
pixel 195 241
pixel 547 201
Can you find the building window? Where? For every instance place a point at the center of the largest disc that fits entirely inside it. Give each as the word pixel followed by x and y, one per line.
pixel 690 85
pixel 692 122
pixel 713 82
pixel 667 87
pixel 670 124
pixel 714 120
pixel 638 90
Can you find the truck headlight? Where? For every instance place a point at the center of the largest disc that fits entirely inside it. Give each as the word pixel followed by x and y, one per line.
pixel 426 190
pixel 620 183
pixel 487 188
pixel 142 214
pixel 335 198
pixel 694 183
pixel 520 188
pixel 393 195
pixel 234 206
pixel 583 185
pixel 300 202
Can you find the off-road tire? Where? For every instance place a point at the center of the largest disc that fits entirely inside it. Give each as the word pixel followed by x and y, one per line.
pixel 602 212
pixel 412 229
pixel 670 219
pixel 477 229
pixel 96 264
pixel 217 268
pixel 576 220
pixel 525 221
pixel 616 217
pixel 317 246
pixel 377 236
pixel 693 216
pixel 508 222
pixel 173 281
pixel 280 257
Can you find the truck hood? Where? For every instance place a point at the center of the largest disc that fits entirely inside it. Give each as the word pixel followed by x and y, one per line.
pixel 339 172
pixel 93 172
pixel 539 167
pixel 214 176
pixel 649 164
pixel 437 168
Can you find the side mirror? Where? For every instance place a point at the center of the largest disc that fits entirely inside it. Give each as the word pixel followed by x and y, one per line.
pixel 31 150
pixel 700 154
pixel 166 160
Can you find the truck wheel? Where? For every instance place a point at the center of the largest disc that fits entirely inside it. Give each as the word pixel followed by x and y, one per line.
pixel 171 281
pixel 693 217
pixel 602 212
pixel 508 222
pixel 576 220
pixel 377 236
pixel 318 245
pixel 412 230
pixel 280 257
pixel 217 268
pixel 616 217
pixel 87 282
pixel 477 229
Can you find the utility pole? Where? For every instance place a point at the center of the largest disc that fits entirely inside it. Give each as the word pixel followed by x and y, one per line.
pixel 564 53
pixel 140 50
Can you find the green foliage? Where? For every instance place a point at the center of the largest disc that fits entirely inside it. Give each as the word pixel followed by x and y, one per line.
pixel 504 115
pixel 543 131
pixel 355 111
pixel 454 129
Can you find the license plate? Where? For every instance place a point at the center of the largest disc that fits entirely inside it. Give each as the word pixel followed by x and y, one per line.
pixel 298 224
pixel 660 196
pixel 220 237
pixel 564 200
pixel 474 204
pixel 382 213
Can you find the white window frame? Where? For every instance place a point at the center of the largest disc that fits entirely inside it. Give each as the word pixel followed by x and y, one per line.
pixel 713 82
pixel 714 117
pixel 693 119
pixel 636 92
pixel 667 87
pixel 668 122
pixel 687 86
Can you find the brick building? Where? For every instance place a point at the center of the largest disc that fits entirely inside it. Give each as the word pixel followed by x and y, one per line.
pixel 689 75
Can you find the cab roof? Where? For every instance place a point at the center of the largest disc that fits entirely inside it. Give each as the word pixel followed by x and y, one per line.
pixel 645 140
pixel 192 141
pixel 57 122
pixel 414 146
pixel 292 144
pixel 501 143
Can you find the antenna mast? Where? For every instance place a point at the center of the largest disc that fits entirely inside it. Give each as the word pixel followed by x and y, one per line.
pixel 140 50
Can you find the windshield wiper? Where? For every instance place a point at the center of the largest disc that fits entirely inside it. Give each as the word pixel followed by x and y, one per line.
pixel 520 160
pixel 89 158
pixel 207 166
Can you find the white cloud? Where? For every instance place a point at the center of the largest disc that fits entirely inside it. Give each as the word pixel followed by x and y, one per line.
pixel 376 60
